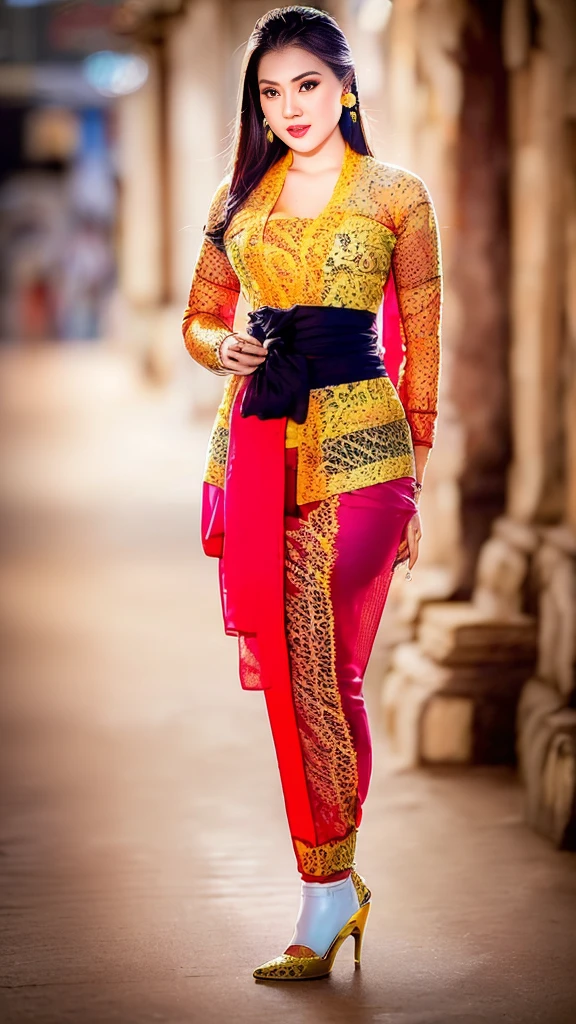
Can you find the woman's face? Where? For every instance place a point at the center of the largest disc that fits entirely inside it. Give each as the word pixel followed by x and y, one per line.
pixel 296 89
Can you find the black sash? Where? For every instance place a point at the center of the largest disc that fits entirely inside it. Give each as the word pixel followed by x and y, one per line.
pixel 308 347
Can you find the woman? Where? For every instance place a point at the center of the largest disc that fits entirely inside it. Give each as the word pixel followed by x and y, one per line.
pixel 318 452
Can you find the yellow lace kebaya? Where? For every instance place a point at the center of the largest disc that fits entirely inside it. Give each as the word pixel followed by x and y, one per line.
pixel 380 219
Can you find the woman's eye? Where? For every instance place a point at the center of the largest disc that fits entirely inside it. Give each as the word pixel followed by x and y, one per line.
pixel 266 92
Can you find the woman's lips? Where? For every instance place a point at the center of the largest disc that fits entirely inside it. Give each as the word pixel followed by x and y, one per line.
pixel 298 130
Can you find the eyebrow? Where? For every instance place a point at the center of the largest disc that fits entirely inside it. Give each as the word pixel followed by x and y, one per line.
pixel 297 79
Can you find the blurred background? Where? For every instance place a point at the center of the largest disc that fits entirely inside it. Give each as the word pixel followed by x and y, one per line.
pixel 117 122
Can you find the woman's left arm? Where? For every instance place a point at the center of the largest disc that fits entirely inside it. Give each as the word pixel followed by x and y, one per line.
pixel 417 267
pixel 416 262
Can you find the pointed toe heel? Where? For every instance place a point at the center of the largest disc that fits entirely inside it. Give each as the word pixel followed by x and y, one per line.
pixel 299 968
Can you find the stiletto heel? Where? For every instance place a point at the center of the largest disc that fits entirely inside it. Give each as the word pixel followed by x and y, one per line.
pixel 298 968
pixel 358 933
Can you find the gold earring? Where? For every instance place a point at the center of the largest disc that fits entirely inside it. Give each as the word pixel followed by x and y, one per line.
pixel 349 100
pixel 269 134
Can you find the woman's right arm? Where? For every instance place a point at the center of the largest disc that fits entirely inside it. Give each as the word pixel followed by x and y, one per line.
pixel 214 292
pixel 208 324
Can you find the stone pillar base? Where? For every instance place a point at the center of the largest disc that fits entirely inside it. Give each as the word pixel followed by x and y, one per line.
pixel 451 696
pixel 547 760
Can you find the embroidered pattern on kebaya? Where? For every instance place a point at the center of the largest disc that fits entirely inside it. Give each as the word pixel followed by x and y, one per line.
pixel 355 435
pixel 283 238
pixel 217 452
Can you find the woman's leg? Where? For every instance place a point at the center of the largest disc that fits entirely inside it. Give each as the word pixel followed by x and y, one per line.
pixel 339 555
pixel 371 524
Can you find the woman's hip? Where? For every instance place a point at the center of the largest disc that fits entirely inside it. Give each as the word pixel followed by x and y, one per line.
pixel 394 497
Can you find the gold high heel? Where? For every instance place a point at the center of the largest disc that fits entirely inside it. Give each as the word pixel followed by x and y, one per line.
pixel 298 968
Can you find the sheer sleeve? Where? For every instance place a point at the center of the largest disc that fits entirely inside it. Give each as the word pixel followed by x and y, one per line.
pixel 209 315
pixel 416 263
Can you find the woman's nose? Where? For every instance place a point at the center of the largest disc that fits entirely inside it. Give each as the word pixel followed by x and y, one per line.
pixel 291 107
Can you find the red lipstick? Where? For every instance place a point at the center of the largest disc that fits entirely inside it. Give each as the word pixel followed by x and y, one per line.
pixel 298 130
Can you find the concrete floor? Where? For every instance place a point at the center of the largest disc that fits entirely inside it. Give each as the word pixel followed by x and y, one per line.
pixel 145 862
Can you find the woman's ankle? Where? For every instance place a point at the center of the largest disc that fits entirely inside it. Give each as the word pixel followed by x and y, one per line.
pixel 325 907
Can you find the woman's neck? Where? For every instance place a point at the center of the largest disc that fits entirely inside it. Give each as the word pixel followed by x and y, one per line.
pixel 326 157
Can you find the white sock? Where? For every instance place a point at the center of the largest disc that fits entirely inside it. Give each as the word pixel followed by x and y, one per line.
pixel 324 909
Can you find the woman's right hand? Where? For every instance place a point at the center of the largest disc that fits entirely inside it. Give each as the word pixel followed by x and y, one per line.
pixel 241 353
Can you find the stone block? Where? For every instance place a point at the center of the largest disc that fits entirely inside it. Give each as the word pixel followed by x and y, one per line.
pixel 436 713
pixel 446 730
pixel 458 633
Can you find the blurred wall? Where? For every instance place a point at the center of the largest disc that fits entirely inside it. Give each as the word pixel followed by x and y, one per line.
pixel 57 177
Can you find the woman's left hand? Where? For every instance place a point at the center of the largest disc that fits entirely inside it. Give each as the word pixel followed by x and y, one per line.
pixel 410 539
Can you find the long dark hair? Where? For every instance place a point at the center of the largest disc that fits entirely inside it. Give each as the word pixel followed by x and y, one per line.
pixel 252 155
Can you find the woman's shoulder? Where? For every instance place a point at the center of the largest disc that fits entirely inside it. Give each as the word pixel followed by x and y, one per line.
pixel 218 202
pixel 398 188
pixel 389 174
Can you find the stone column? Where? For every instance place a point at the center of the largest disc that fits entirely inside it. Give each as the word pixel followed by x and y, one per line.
pixel 197 57
pixel 480 271
pixel 570 298
pixel 453 693
pixel 421 113
pixel 542 61
pixel 538 212
pixel 196 53
pixel 141 228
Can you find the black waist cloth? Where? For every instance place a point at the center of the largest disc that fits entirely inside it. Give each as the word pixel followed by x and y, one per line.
pixel 308 347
